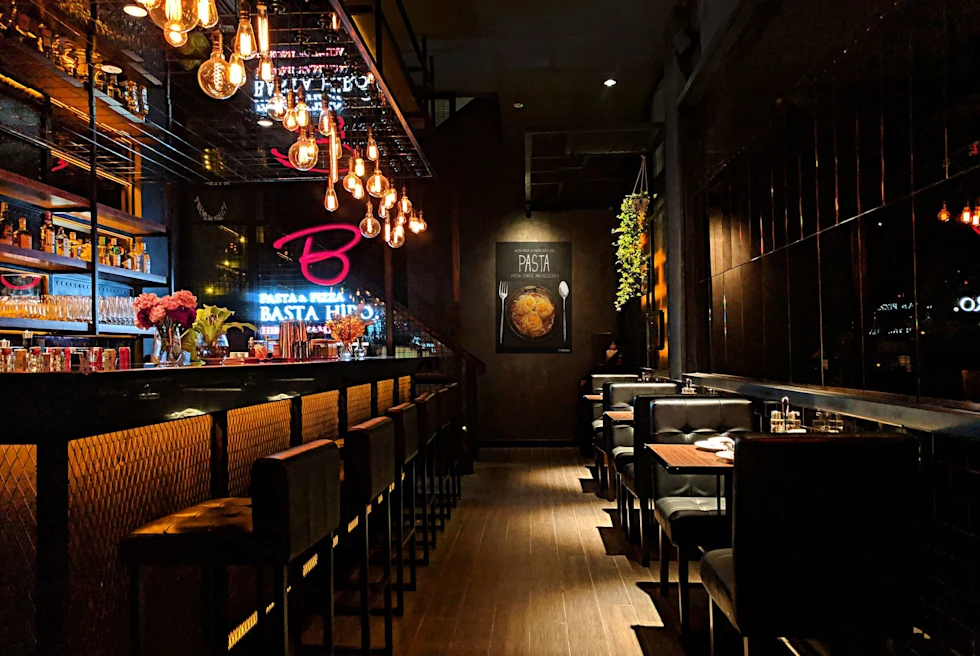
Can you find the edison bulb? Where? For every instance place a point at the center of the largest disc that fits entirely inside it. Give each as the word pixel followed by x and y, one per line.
pixel 303 154
pixel 370 227
pixel 966 216
pixel 266 73
pixel 207 13
pixel 302 111
pixel 174 15
pixel 262 25
pixel 372 146
pixel 148 4
pixel 213 76
pixel 359 169
pixel 404 204
pixel 330 200
pixel 391 198
pixel 244 43
pixel 400 219
pixel 324 125
pixel 413 223
pixel 421 222
pixel 236 70
pixel 176 39
pixel 350 180
pixel 358 192
pixel 382 211
pixel 387 236
pixel 276 107
pixel 397 237
pixel 377 184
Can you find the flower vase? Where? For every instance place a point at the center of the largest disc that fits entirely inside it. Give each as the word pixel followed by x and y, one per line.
pixel 346 351
pixel 171 349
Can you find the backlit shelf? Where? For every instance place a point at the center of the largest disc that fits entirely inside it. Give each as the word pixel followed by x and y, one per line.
pixel 127 274
pixel 40 260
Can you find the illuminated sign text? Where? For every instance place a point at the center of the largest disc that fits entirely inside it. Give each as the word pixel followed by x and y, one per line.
pixel 311 257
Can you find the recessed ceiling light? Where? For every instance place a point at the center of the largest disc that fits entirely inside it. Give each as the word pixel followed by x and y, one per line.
pixel 111 69
pixel 610 82
pixel 266 122
pixel 518 105
pixel 135 11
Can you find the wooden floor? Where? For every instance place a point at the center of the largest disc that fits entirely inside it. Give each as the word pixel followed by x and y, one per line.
pixel 531 564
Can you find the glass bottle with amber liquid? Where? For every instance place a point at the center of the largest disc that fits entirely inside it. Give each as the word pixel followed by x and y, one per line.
pixel 61 242
pixel 6 227
pixel 74 246
pixel 103 251
pixel 22 236
pixel 115 253
pixel 48 242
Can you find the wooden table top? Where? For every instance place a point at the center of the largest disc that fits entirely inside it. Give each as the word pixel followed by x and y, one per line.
pixel 688 459
pixel 595 398
pixel 619 416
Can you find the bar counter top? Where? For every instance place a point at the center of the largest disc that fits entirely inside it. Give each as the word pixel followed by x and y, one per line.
pixel 69 406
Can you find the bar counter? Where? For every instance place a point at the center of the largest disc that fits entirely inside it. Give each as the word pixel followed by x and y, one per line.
pixel 87 458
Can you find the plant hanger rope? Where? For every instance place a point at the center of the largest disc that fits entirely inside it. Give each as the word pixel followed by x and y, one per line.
pixel 642 184
pixel 631 261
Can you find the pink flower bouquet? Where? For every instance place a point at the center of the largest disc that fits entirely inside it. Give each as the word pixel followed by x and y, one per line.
pixel 170 315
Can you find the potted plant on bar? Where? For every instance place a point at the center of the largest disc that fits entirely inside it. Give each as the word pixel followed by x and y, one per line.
pixel 171 316
pixel 211 326
pixel 347 329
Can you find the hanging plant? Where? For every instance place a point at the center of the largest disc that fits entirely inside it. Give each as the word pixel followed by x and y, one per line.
pixel 631 262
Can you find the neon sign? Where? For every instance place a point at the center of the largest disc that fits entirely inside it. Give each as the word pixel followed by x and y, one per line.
pixel 968 304
pixel 312 307
pixel 34 281
pixel 315 88
pixel 310 257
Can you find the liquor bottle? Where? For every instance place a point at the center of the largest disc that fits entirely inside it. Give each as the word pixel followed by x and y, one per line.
pixel 103 252
pixel 86 251
pixel 61 243
pixel 48 243
pixel 22 236
pixel 115 253
pixel 135 261
pixel 146 262
pixel 6 227
pixel 74 246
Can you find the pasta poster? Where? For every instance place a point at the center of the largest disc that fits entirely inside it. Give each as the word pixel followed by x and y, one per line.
pixel 534 297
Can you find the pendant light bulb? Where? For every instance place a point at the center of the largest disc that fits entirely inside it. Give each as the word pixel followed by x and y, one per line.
pixel 377 184
pixel 245 36
pixel 382 211
pixel 330 200
pixel 302 111
pixel 262 25
pixel 413 223
pixel 397 237
pixel 370 227
pixel 421 223
pixel 387 235
pixel 400 219
pixel 359 168
pixel 266 72
pixel 350 180
pixel 177 39
pixel 276 107
pixel 391 198
pixel 358 192
pixel 174 16
pixel 976 214
pixel 303 154
pixel 289 120
pixel 207 13
pixel 213 76
pixel 966 216
pixel 943 214
pixel 148 4
pixel 325 124
pixel 404 204
pixel 237 74
pixel 372 146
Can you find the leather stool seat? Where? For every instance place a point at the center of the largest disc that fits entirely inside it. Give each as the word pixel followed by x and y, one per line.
pixel 692 520
pixel 718 577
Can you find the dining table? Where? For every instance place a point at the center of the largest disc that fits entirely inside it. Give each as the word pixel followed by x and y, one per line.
pixel 688 459
pixel 593 398
pixel 619 416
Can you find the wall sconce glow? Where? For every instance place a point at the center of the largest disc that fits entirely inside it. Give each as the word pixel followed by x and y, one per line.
pixel 135 11
pixel 310 257
pixel 610 82
pixel 518 105
pixel 266 122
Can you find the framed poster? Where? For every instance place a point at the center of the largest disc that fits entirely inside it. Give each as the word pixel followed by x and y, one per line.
pixel 534 297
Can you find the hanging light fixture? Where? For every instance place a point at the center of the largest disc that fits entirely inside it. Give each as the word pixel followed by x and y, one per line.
pixel 302 111
pixel 213 76
pixel 334 142
pixel 289 120
pixel 359 169
pixel 370 227
pixel 387 230
pixel 413 223
pixel 404 204
pixel 397 237
pixel 391 198
pixel 330 200
pixel 400 219
pixel 421 223
pixel 148 4
pixel 351 180
pixel 174 15
pixel 207 13
pixel 174 38
pixel 262 25
pixel 966 216
pixel 266 72
pixel 372 146
pixel 323 126
pixel 943 214
pixel 276 107
pixel 382 211
pixel 377 184
pixel 237 74
pixel 976 214
pixel 244 43
pixel 304 153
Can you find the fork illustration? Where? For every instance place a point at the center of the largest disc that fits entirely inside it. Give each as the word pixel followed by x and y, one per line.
pixel 502 293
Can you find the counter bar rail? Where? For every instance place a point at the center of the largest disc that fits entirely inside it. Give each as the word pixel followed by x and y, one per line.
pixel 87 458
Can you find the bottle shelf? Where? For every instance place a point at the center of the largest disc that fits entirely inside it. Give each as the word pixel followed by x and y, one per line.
pixel 62 202
pixel 40 260
pixel 128 275
pixel 80 327
pixel 115 329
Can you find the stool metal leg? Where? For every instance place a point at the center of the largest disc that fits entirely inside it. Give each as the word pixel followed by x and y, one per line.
pixel 135 613
pixel 413 540
pixel 365 564
pixel 424 461
pixel 664 564
pixel 399 543
pixel 280 578
pixel 683 591
pixel 646 531
pixel 389 626
pixel 328 597
pixel 260 604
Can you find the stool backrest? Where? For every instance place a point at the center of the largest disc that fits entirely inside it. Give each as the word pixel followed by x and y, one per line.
pixel 823 531
pixel 296 498
pixel 597 381
pixel 621 395
pixel 425 405
pixel 406 421
pixel 443 408
pixel 369 459
pixel 683 420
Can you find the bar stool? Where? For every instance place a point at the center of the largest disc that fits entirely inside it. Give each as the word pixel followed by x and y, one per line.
pixel 425 406
pixel 405 417
pixel 443 446
pixel 457 420
pixel 368 479
pixel 295 506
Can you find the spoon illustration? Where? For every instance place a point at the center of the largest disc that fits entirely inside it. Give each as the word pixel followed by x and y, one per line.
pixel 563 292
